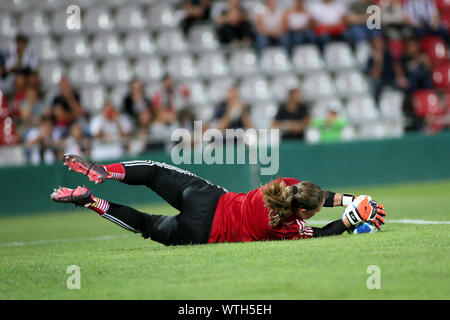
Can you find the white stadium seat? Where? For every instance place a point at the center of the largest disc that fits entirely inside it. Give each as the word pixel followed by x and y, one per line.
pixel 34 23
pixel 51 73
pixel 98 19
pixel 339 56
pixel 116 70
pixel 84 72
pixel 75 47
pixel 307 59
pixel 244 62
pixel 107 45
pixel 197 92
pixel 351 83
pixel 263 113
pixel 182 66
pixel 275 61
pixel 139 44
pixel 93 98
pixel 45 48
pixel 161 16
pixel 255 89
pixel 217 89
pixel 149 69
pixel 8 25
pixel 130 17
pixel 118 93
pixel 213 65
pixel 202 38
pixel 281 85
pixel 363 51
pixel 318 86
pixel 362 109
pixel 171 41
pixel 321 108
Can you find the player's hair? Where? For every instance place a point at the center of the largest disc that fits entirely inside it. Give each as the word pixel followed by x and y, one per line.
pixel 282 200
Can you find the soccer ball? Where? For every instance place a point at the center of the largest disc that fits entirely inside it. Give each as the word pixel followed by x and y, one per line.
pixel 364 227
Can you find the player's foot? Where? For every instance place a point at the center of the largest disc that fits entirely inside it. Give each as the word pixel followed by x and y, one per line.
pixel 94 171
pixel 80 196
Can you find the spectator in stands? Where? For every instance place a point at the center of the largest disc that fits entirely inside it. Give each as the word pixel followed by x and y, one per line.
pixel 135 101
pixel 168 100
pixel 298 23
pixel 330 19
pixel 383 69
pixel 393 15
pixel 68 98
pixel 270 27
pixel 233 25
pixel 292 117
pixel 416 66
pixel 196 11
pixel 144 124
pixel 111 131
pixel 42 143
pixel 18 95
pixel 331 127
pixel 423 17
pixel 232 113
pixel 357 23
pixel 32 109
pixel 77 142
pixel 21 57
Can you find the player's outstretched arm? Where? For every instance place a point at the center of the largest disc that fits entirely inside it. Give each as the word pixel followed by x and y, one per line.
pixel 333 199
pixel 332 229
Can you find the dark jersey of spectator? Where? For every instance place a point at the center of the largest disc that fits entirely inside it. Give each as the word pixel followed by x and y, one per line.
pixel 236 122
pixel 299 114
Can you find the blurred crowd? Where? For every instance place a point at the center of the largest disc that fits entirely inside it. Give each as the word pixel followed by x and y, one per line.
pixel 48 129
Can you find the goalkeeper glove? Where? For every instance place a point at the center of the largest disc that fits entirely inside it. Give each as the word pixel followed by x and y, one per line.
pixel 365 209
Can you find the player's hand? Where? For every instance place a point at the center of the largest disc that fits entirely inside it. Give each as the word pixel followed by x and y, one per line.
pixel 365 209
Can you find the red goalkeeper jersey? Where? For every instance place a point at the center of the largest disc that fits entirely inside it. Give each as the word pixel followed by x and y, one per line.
pixel 241 217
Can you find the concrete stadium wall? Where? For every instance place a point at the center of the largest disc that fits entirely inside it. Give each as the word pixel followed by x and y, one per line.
pixel 26 189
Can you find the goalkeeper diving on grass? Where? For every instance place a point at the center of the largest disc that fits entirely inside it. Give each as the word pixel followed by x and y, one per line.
pixel 209 213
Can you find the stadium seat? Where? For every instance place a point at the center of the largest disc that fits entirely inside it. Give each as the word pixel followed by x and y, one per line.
pixel 98 19
pixel 45 48
pixel 130 17
pixel 171 41
pixel 50 73
pixel 339 56
pixel 197 92
pixel 161 16
pixel 47 4
pixel 93 98
pixel 426 102
pixel 443 5
pixel 321 107
pixel 107 45
pixel 351 83
pixel 263 113
pixel 8 25
pixel 441 75
pixel 396 47
pixel 58 20
pixel 281 85
pixel 118 93
pixel 318 86
pixel 75 47
pixel 363 51
pixel 362 109
pixel 202 38
pixel 8 134
pixel 255 89
pixel 34 23
pixel 84 72
pixel 213 65
pixel 275 61
pixel 244 62
pixel 149 69
pixel 435 48
pixel 182 66
pixel 15 5
pixel 391 104
pixel 116 70
pixel 139 43
pixel 307 58
pixel 372 130
pixel 217 89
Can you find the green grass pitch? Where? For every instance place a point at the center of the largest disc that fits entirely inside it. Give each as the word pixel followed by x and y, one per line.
pixel 414 259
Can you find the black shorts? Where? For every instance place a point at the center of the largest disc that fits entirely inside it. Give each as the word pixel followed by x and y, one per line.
pixel 194 197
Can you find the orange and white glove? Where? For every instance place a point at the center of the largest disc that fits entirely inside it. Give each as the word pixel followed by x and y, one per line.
pixel 363 208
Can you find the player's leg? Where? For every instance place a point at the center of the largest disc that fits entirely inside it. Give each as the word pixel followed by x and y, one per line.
pixel 157 227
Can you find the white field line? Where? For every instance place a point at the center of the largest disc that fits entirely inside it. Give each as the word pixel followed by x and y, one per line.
pixel 52 241
pixel 110 237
